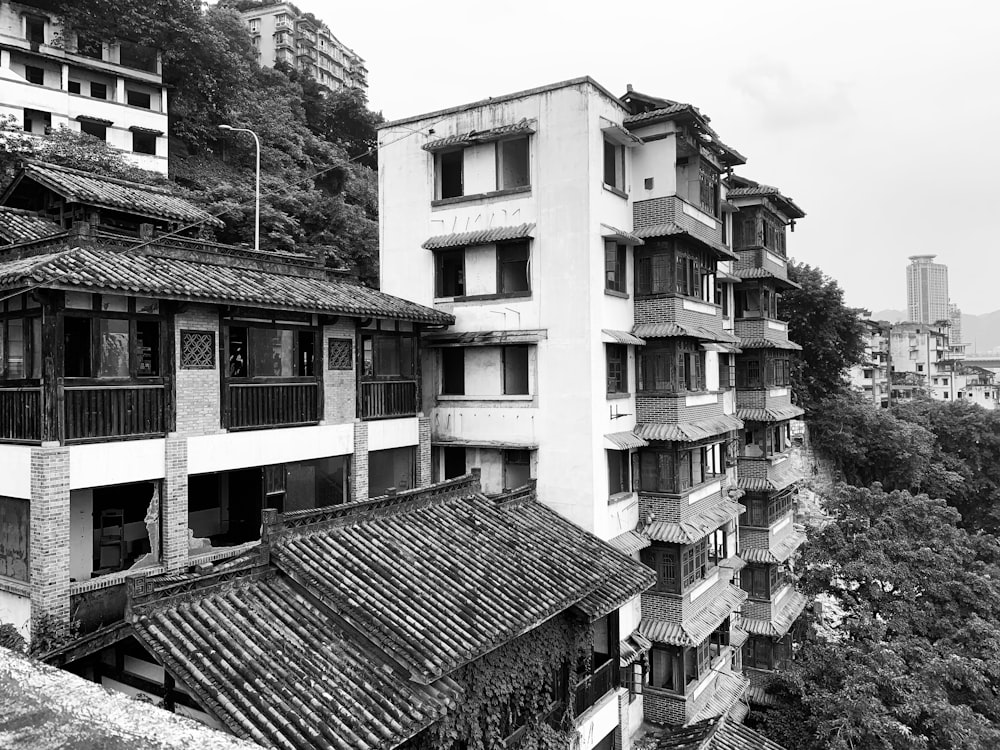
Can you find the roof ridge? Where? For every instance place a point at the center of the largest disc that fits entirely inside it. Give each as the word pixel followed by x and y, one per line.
pixel 105 178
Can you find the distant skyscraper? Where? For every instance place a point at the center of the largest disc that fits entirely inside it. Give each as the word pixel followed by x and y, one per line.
pixel 926 289
pixel 955 316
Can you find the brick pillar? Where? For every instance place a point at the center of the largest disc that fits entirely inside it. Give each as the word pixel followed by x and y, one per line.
pixel 623 732
pixel 50 539
pixel 359 475
pixel 174 504
pixel 424 451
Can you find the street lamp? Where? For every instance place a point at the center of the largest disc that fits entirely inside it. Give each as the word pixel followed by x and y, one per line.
pixel 256 140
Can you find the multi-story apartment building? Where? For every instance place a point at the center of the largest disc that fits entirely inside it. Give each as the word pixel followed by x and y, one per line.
pixel 871 376
pixel 926 289
pixel 583 243
pixel 956 344
pixel 281 33
pixel 154 400
pixel 52 77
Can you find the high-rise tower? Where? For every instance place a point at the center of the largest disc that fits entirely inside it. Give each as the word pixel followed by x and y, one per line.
pixel 926 289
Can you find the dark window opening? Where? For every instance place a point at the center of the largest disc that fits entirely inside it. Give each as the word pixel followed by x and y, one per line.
pixel 454 462
pixel 95 129
pixel 144 143
pixel 512 164
pixel 98 90
pixel 614 266
pixel 617 361
pixel 271 352
pixel 77 347
pixel 36 121
pixel 512 268
pixel 15 539
pixel 453 371
pixel 73 87
pixel 138 99
pixel 393 468
pixel 34 74
pixel 119 526
pixel 34 29
pixel 451 273
pixel 516 468
pixel 618 472
pixel 450 174
pixel 515 370
pixel 614 165
pixel 674 367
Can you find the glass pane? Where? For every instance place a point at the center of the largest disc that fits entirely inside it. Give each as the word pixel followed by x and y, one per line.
pixel 113 343
pixel 36 348
pixel 515 370
pixel 406 363
pixel 271 353
pixel 237 352
pixel 147 306
pixel 148 349
pixel 15 349
pixel 114 303
pixel 80 300
pixel 367 356
pixel 387 357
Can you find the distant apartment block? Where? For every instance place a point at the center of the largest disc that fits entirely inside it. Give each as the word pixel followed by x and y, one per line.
pixel 926 289
pixel 281 33
pixel 52 77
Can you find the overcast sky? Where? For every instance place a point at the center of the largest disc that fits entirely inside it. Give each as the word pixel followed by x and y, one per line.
pixel 881 119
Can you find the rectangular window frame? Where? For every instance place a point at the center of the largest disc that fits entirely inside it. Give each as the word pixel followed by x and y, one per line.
pixel 509 260
pixel 512 355
pixel 506 150
pixel 449 277
pixel 449 174
pixel 615 279
pixel 616 356
pixel 614 167
pixel 139 356
pixel 306 360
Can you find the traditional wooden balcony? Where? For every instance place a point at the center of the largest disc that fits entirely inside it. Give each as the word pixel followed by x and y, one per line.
pixel 388 399
pixel 121 411
pixel 591 689
pixel 21 414
pixel 273 404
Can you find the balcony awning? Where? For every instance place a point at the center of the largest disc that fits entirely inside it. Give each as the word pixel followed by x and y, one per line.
pixel 629 542
pixel 690 531
pixel 753 484
pixel 768 343
pixel 98 120
pixel 780 622
pixel 778 414
pixel 676 330
pixel 617 134
pixel 147 131
pixel 729 690
pixel 632 648
pixel 689 432
pixel 694 630
pixel 480 237
pixel 724 348
pixel 513 444
pixel 484 338
pixel 668 229
pixel 471 137
pixel 623 441
pixel 777 553
pixel 726 278
pixel 609 232
pixel 611 336
pixel 751 274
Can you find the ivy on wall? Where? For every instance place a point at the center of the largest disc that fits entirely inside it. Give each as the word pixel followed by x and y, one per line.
pixel 510 685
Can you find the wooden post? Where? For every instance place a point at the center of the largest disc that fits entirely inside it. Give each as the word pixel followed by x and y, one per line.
pixel 168 361
pixel 53 357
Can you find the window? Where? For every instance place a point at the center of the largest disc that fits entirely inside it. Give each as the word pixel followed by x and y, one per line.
pixel 673 367
pixel 727 372
pixel 694 563
pixel 454 462
pixel 340 354
pixel 105 347
pixel 617 357
pixel 760 581
pixel 453 371
pixel 143 143
pixel 388 355
pixel 761 652
pixel 34 74
pixel 718 546
pixel 512 268
pixel 634 677
pixel 748 373
pixel 449 173
pixel 96 129
pixel 516 468
pixel 663 561
pixel 138 98
pixel 98 90
pixel 73 87
pixel 36 121
pixel 20 340
pixel 697 661
pixel 614 266
pixel 392 468
pixel 708 194
pixel 256 352
pixel 515 370
pixel 197 350
pixel 512 164
pixel 614 165
pixel 618 473
pixel 664 668
pixel 14 542
pixel 681 269
pixel 254 24
pixel 450 273
pixel 34 29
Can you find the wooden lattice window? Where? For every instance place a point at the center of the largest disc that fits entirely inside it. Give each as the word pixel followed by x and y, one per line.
pixel 340 356
pixel 197 350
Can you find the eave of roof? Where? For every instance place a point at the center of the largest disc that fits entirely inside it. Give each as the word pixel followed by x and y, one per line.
pixel 780 622
pixel 670 228
pixel 776 553
pixel 522 127
pixel 749 274
pixel 768 343
pixel 479 237
pixel 774 414
pixel 677 330
pixel 629 542
pixel 693 630
pixel 788 206
pixel 756 484
pixel 689 432
pixel 729 689
pixel 695 528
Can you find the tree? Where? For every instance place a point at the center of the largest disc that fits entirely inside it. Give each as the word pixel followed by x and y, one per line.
pixel 830 333
pixel 911 660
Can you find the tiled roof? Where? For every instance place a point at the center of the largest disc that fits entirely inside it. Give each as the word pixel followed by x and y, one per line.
pixel 662 113
pixel 724 732
pixel 632 648
pixel 788 206
pixel 694 630
pixel 780 621
pixel 620 235
pixel 768 343
pixel 96 268
pixel 777 553
pixel 729 689
pixel 45 708
pixel 76 186
pixel 669 228
pixel 692 530
pixel 435 583
pixel 621 337
pixel 755 484
pixel 673 330
pixel 470 137
pixel 738 637
pixel 756 272
pixel 629 542
pixel 778 414
pixel 277 669
pixel 689 432
pixel 479 237
pixel 24 226
pixel 484 338
pixel 760 697
pixel 726 277
pixel 623 441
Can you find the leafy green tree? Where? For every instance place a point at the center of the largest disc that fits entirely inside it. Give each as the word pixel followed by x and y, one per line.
pixel 830 333
pixel 909 657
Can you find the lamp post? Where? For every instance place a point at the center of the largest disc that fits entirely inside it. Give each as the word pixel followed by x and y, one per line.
pixel 256 140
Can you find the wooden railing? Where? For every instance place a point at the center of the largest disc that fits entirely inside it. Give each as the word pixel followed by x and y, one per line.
pixel 272 404
pixel 591 689
pixel 390 398
pixel 114 411
pixel 21 414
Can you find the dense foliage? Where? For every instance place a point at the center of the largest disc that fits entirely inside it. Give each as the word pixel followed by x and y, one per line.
pixel 319 193
pixel 830 333
pixel 907 655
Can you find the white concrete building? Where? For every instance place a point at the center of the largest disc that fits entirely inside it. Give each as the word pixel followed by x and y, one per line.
pixel 51 78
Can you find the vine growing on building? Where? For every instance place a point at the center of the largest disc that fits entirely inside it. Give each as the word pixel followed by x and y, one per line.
pixel 511 687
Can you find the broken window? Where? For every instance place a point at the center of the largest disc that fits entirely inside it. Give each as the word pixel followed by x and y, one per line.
pixel 450 280
pixel 453 371
pixel 512 268
pixel 515 370
pixel 516 468
pixel 454 462
pixel 449 166
pixel 614 165
pixel 512 164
